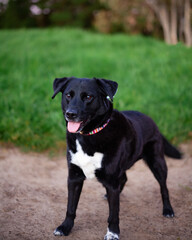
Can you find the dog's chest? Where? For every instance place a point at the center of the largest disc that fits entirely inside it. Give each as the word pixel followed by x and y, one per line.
pixel 87 163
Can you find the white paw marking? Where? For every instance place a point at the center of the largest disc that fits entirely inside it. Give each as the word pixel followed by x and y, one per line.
pixel 57 233
pixel 111 235
pixel 87 163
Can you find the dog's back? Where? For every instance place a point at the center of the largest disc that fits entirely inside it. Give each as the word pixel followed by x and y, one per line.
pixel 148 132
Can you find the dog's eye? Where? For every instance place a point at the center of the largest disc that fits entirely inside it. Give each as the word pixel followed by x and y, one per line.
pixel 68 96
pixel 89 97
pixel 86 97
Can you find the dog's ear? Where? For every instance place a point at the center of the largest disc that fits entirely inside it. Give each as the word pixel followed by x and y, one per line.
pixel 59 84
pixel 108 87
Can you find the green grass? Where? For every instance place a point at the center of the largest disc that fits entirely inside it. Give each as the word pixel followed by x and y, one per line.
pixel 153 78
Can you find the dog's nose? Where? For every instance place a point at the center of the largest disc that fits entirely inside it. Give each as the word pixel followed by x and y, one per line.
pixel 71 114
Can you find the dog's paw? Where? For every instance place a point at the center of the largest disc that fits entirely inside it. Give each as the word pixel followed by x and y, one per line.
pixel 64 229
pixel 111 236
pixel 58 232
pixel 61 231
pixel 168 212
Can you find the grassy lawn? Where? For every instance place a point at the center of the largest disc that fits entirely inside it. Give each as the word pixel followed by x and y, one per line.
pixel 153 78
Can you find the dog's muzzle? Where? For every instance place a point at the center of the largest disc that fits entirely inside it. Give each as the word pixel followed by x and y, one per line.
pixel 74 124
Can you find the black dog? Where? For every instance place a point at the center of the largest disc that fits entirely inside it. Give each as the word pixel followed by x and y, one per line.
pixel 104 143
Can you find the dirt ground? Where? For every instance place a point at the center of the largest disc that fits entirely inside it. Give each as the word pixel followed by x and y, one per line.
pixel 33 199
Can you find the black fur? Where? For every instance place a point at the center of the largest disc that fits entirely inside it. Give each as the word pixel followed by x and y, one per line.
pixel 128 137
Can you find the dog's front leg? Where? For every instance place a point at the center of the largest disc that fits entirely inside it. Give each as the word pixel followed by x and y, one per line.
pixel 75 184
pixel 113 220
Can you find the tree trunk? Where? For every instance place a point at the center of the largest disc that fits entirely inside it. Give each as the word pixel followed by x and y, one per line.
pixel 165 22
pixel 180 21
pixel 173 23
pixel 177 23
pixel 187 23
pixel 161 10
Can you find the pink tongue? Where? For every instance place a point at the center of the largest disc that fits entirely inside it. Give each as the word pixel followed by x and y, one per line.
pixel 73 126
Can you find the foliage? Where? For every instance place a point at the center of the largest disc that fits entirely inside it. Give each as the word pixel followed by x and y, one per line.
pixel 18 13
pixel 131 16
pixel 153 78
pixel 170 19
pixel 78 13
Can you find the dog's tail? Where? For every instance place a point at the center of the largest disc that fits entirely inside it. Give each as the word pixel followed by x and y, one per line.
pixel 170 150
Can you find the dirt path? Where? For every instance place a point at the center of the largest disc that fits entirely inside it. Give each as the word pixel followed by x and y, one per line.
pixel 33 200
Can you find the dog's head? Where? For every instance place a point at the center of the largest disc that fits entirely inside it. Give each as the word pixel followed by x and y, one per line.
pixel 84 100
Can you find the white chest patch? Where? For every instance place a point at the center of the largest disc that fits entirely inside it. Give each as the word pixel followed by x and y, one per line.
pixel 87 163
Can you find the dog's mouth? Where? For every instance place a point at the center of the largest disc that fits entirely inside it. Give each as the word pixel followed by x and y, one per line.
pixel 74 127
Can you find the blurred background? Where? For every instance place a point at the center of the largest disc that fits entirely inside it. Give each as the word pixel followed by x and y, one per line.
pixel 144 45
pixel 168 19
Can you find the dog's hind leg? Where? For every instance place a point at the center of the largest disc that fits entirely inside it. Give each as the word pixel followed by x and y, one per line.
pixel 156 162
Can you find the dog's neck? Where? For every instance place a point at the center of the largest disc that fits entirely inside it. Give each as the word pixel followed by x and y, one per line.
pixel 99 123
pixel 96 130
